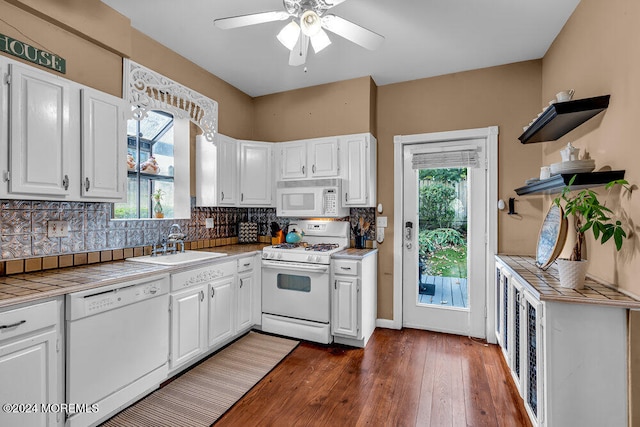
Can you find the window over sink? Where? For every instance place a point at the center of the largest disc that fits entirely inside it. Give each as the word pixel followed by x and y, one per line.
pixel 156 168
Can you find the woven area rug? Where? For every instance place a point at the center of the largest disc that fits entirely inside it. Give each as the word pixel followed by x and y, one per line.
pixel 203 394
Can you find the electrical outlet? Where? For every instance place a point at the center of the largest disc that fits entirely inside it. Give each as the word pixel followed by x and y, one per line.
pixel 57 228
pixel 208 223
pixel 381 221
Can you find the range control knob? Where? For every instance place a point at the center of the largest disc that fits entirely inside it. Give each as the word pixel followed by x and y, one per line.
pixel 279 256
pixel 310 258
pixel 317 258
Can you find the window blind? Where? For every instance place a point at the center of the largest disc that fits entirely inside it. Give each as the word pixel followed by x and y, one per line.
pixel 446 159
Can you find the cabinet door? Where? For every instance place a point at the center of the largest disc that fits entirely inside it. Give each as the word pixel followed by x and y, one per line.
pixel 246 283
pixel 103 146
pixel 221 310
pixel 28 370
pixel 345 306
pixel 354 187
pixel 39 141
pixel 293 160
pixel 323 157
pixel 227 167
pixel 516 312
pixel 256 177
pixel 533 364
pixel 188 324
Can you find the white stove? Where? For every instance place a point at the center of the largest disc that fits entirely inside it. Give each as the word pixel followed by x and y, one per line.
pixel 296 285
pixel 321 239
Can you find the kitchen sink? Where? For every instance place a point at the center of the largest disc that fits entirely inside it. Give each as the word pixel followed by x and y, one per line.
pixel 177 258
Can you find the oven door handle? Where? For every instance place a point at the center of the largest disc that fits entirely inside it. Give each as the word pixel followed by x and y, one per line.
pixel 295 266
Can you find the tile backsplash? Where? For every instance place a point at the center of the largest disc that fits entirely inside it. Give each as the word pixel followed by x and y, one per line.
pixel 23 227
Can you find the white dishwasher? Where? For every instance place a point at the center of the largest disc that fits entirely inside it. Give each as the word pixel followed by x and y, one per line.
pixel 117 345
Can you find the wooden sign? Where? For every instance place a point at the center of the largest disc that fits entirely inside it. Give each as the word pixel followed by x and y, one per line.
pixel 32 54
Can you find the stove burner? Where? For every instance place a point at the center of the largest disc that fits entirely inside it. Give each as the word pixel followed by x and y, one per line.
pixel 322 247
pixel 287 246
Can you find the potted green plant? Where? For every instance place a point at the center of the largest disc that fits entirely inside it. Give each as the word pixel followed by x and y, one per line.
pixel 588 214
pixel 157 208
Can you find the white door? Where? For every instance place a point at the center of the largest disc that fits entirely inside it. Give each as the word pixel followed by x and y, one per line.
pixel 227 168
pixel 39 133
pixel 246 283
pixel 104 138
pixel 221 310
pixel 188 324
pixel 294 159
pixel 28 370
pixel 354 189
pixel 444 228
pixel 345 306
pixel 256 179
pixel 323 157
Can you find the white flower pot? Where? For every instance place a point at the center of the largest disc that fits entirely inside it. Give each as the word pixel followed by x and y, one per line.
pixel 572 273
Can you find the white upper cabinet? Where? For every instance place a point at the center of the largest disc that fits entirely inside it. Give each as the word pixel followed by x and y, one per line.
pixel 293 160
pixel 64 141
pixel 323 157
pixel 40 141
pixel 104 138
pixel 227 171
pixel 256 174
pixel 359 171
pixel 313 158
pixel 216 171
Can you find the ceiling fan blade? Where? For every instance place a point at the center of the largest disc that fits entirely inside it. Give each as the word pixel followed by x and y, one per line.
pixel 298 55
pixel 352 32
pixel 251 19
pixel 333 3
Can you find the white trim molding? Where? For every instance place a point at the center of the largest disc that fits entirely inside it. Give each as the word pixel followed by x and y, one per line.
pixel 490 134
pixel 147 90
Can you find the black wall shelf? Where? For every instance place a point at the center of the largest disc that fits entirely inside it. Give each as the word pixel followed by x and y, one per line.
pixel 562 117
pixel 556 183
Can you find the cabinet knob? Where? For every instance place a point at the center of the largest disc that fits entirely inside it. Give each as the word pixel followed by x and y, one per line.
pixel 346 197
pixel 222 196
pixel 87 184
pixel 65 182
pixel 213 292
pixel 313 168
pixel 201 295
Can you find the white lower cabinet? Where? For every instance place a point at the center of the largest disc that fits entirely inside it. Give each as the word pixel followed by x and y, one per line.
pixel 221 310
pixel 31 365
pixel 210 306
pixel 188 325
pixel 568 360
pixel 353 299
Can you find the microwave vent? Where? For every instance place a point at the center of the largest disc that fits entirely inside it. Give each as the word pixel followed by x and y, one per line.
pixel 308 183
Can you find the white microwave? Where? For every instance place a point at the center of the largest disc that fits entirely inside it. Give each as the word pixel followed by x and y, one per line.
pixel 315 198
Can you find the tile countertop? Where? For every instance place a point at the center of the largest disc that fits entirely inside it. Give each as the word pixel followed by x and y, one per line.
pixel 28 287
pixel 546 286
pixel 353 253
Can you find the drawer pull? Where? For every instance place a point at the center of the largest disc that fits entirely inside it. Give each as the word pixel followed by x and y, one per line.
pixel 247 264
pixel 346 268
pixel 13 325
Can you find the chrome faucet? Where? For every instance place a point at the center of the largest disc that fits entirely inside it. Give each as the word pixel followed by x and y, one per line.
pixel 176 236
pixel 170 243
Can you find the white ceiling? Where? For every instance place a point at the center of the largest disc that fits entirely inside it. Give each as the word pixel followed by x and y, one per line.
pixel 424 38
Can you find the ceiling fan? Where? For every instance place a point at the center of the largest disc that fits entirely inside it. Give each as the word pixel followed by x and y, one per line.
pixel 310 19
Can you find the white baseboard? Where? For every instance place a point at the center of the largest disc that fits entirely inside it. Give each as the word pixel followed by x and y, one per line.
pixel 388 324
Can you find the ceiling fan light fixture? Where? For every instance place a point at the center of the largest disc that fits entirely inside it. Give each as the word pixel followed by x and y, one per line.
pixel 310 23
pixel 289 35
pixel 320 41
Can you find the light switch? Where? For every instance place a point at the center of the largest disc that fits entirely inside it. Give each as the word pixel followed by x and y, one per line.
pixel 381 221
pixel 57 228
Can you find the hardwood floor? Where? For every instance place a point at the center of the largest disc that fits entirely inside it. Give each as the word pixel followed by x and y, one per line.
pixel 404 378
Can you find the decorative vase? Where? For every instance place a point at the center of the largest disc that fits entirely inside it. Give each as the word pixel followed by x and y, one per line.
pixel 360 242
pixel 572 273
pixel 157 210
